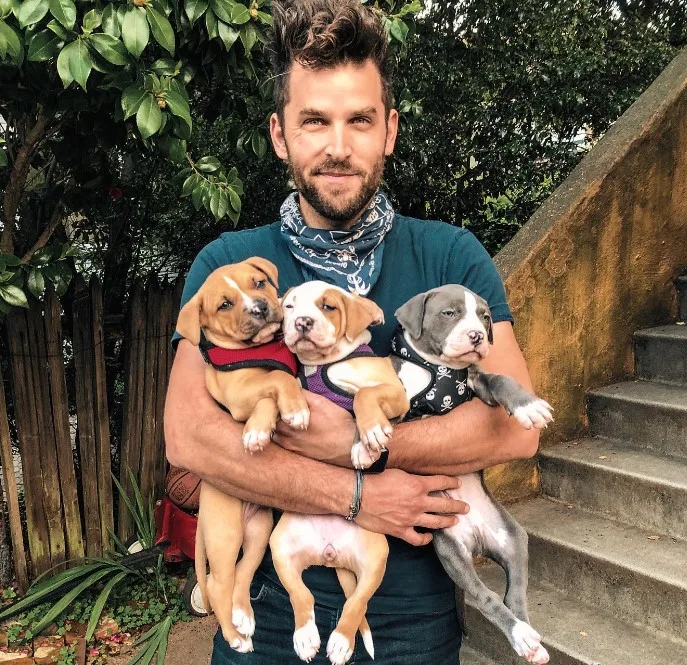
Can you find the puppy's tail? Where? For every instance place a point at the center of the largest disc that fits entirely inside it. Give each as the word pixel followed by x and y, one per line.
pixel 201 566
pixel 348 583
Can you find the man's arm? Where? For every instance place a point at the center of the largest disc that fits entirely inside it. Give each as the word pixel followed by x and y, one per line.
pixel 471 437
pixel 205 440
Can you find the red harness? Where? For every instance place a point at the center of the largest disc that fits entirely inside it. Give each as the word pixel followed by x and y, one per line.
pixel 274 355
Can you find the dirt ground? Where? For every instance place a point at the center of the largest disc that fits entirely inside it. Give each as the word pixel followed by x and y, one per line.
pixel 190 643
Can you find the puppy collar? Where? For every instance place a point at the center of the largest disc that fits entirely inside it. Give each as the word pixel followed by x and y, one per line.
pixel 446 389
pixel 273 355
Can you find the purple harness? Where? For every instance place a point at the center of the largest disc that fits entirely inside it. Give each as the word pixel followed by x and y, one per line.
pixel 318 382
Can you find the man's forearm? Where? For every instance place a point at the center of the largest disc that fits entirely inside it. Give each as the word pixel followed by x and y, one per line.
pixel 471 437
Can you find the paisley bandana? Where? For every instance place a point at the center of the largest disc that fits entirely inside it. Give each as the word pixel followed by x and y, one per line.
pixel 351 259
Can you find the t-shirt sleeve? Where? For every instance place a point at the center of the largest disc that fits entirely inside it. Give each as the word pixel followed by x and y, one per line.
pixel 207 261
pixel 470 265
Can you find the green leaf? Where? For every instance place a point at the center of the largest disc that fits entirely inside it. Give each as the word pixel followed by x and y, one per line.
pixel 43 46
pixel 234 199
pixel 111 48
pixel 227 34
pixel 208 164
pixel 266 19
pixel 14 296
pixel 57 28
pixel 164 67
pixel 399 30
pixel 248 37
pixel 240 14
pixel 100 603
pixel 92 20
pixel 162 29
pixel 179 107
pixel 63 67
pixel 132 98
pixel 80 63
pixel 110 22
pixel 10 260
pixel 5 7
pixel 36 282
pixel 195 9
pixel 32 11
pixel 222 204
pixel 222 9
pixel 135 31
pixel 211 24
pixel 3 159
pixel 259 144
pixel 10 42
pixel 64 11
pixel 190 184
pixel 148 116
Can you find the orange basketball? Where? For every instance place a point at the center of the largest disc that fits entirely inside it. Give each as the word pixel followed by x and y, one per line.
pixel 183 488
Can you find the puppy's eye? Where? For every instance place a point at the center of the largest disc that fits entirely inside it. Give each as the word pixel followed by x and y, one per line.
pixel 260 284
pixel 486 317
pixel 288 306
pixel 328 308
pixel 227 304
pixel 449 313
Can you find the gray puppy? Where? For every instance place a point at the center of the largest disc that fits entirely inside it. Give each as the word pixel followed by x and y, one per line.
pixel 444 333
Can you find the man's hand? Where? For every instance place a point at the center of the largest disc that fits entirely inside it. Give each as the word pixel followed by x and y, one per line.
pixel 329 437
pixel 395 502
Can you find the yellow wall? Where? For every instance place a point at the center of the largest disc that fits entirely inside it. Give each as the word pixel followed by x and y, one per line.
pixel 598 260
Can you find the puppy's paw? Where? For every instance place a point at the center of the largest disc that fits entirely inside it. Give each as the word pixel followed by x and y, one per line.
pixel 243 622
pixel 306 641
pixel 241 644
pixel 299 419
pixel 375 435
pixel 362 457
pixel 527 643
pixel 339 648
pixel 255 440
pixel 534 414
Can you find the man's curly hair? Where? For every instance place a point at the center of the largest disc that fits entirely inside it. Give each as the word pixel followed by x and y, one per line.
pixel 321 34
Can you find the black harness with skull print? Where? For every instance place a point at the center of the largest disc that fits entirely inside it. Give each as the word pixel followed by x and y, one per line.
pixel 446 389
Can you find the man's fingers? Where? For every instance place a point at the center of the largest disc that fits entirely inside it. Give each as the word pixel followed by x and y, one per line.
pixel 414 538
pixel 439 483
pixel 445 506
pixel 436 521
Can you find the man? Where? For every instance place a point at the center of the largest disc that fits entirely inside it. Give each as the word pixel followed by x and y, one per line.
pixel 334 125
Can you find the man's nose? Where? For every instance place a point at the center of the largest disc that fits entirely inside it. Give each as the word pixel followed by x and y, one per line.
pixel 259 309
pixel 304 324
pixel 338 146
pixel 476 337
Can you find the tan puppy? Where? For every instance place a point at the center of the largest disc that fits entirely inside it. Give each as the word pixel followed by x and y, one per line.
pixel 324 325
pixel 232 317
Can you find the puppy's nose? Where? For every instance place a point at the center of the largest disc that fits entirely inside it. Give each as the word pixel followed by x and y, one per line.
pixel 476 337
pixel 304 324
pixel 259 309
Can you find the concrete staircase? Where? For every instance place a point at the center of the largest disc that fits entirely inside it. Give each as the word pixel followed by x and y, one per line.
pixel 608 538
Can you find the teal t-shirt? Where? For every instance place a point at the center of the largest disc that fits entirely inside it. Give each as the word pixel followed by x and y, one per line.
pixel 418 255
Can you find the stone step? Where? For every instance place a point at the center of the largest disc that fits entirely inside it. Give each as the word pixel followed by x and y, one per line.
pixel 573 634
pixel 637 575
pixel 642 413
pixel 469 656
pixel 661 354
pixel 609 478
pixel 681 284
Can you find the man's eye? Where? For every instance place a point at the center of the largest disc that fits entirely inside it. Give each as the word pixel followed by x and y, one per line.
pixel 449 312
pixel 227 304
pixel 328 308
pixel 361 119
pixel 260 284
pixel 314 121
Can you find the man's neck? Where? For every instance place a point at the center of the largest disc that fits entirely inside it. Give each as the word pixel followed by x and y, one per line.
pixel 314 220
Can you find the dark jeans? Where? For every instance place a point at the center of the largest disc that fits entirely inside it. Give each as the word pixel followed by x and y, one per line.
pixel 417 639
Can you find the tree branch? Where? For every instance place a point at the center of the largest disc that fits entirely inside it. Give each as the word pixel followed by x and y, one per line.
pixel 42 241
pixel 18 175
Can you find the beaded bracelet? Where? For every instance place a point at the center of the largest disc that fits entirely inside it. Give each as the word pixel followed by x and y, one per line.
pixel 357 496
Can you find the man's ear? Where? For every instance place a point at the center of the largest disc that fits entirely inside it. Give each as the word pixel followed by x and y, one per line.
pixel 278 140
pixel 361 313
pixel 266 267
pixel 188 323
pixel 412 314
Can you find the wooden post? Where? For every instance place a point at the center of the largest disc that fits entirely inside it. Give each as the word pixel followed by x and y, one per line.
pixel 134 377
pixel 18 553
pixel 60 415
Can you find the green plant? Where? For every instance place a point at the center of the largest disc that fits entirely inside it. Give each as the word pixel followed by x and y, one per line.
pixel 67 655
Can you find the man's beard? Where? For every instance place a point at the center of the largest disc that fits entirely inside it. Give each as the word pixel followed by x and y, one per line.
pixel 339 212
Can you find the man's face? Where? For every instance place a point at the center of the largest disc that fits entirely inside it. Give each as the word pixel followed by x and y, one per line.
pixel 335 138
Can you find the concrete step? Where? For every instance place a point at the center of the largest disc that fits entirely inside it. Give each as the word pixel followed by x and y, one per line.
pixel 661 354
pixel 573 634
pixel 637 575
pixel 681 284
pixel 469 656
pixel 609 478
pixel 642 413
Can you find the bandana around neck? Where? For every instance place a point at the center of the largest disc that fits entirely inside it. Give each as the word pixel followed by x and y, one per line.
pixel 351 259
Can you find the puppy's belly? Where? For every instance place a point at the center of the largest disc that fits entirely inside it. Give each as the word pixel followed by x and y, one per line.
pixel 482 529
pixel 324 540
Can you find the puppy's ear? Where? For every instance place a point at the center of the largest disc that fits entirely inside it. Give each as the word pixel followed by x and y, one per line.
pixel 283 298
pixel 361 313
pixel 266 267
pixel 490 328
pixel 188 323
pixel 412 314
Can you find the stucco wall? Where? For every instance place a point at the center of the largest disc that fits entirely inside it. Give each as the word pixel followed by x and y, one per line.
pixel 598 260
